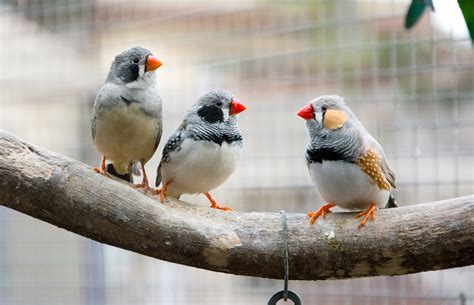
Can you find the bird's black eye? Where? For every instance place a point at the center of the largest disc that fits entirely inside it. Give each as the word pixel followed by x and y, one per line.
pixel 136 60
pixel 324 108
pixel 219 103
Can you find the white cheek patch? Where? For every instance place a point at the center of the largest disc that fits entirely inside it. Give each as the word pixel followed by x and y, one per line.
pixel 141 70
pixel 226 114
pixel 319 117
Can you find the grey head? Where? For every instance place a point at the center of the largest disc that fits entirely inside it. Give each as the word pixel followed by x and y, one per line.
pixel 328 114
pixel 132 65
pixel 333 128
pixel 215 107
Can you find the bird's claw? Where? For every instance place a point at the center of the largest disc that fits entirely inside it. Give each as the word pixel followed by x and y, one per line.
pixel 321 211
pixel 143 186
pixel 369 212
pixel 214 204
pixel 101 171
pixel 162 197
pixel 161 192
pixel 223 208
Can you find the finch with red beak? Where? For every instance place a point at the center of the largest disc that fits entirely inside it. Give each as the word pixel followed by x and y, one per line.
pixel 203 152
pixel 347 165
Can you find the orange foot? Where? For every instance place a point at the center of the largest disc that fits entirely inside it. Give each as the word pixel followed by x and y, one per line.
pixel 102 169
pixel 162 192
pixel 322 211
pixel 214 204
pixel 369 212
pixel 156 191
pixel 144 185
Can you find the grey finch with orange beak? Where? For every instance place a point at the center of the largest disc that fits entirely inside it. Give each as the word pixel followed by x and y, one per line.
pixel 127 121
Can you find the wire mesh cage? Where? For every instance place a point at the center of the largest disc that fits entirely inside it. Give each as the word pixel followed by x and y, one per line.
pixel 413 90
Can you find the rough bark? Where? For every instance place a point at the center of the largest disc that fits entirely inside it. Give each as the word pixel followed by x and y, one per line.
pixel 66 193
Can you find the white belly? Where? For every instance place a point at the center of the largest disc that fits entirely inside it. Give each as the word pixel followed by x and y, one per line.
pixel 346 185
pixel 199 166
pixel 125 134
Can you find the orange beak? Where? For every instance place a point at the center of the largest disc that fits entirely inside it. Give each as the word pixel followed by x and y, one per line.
pixel 236 106
pixel 152 63
pixel 306 112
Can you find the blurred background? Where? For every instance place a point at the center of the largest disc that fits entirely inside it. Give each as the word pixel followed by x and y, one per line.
pixel 413 90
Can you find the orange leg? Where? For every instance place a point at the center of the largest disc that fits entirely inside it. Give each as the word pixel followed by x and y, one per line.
pixel 369 212
pixel 322 211
pixel 102 169
pixel 162 192
pixel 144 183
pixel 214 204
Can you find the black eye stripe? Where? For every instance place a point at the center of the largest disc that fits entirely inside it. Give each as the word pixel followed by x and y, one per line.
pixel 211 114
pixel 129 73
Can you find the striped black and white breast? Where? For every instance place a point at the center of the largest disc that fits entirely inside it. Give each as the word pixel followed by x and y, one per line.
pixel 320 154
pixel 218 133
pixel 336 147
pixel 214 128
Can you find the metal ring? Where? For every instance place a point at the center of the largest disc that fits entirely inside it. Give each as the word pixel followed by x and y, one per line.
pixel 285 253
pixel 279 296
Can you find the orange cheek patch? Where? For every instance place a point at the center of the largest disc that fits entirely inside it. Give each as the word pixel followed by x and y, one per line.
pixel 334 119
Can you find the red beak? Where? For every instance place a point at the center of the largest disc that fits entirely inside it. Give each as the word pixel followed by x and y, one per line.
pixel 306 112
pixel 152 63
pixel 236 106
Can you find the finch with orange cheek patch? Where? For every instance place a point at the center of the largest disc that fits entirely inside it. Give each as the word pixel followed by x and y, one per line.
pixel 346 164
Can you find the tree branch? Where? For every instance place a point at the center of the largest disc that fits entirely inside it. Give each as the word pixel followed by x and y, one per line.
pixel 66 193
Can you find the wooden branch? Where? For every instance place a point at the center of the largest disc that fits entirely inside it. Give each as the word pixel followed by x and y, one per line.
pixel 66 193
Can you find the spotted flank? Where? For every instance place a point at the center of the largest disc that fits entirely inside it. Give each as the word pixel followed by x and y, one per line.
pixel 173 144
pixel 369 163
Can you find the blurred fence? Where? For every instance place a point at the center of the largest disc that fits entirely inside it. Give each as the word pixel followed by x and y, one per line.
pixel 413 91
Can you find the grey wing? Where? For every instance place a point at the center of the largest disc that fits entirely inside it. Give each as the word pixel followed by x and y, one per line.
pixel 384 166
pixel 151 106
pixel 97 103
pixel 173 144
pixel 391 203
pixel 158 176
pixel 159 133
pixel 106 98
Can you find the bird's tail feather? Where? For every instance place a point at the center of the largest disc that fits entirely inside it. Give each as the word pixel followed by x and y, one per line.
pixel 158 176
pixel 136 168
pixel 391 202
pixel 127 176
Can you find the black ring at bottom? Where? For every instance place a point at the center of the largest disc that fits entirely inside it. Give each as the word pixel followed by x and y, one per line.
pixel 280 295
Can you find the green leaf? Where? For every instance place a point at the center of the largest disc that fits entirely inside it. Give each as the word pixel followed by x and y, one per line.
pixel 467 8
pixel 416 9
pixel 414 13
pixel 430 3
